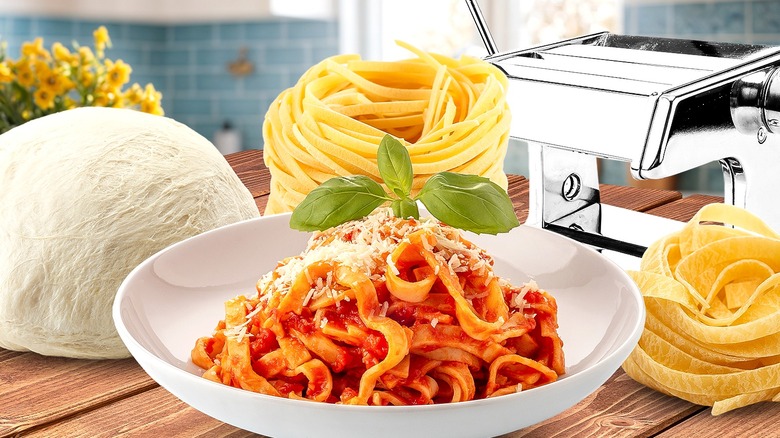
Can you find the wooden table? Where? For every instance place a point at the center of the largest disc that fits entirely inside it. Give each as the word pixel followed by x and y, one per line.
pixel 55 397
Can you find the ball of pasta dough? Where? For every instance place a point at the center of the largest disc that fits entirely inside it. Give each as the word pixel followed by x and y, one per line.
pixel 86 195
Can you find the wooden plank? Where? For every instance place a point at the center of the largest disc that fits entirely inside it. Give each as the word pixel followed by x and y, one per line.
pixel 685 208
pixel 759 420
pixel 35 389
pixel 517 189
pixel 619 408
pixel 251 170
pixel 8 354
pixel 637 199
pixel 154 413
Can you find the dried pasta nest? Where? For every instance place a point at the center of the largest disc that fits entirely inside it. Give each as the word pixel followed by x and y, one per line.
pixel 712 334
pixel 451 114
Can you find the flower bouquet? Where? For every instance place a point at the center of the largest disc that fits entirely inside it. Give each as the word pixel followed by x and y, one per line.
pixel 45 81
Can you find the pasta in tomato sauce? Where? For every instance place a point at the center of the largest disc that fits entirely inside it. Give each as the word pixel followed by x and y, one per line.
pixel 386 311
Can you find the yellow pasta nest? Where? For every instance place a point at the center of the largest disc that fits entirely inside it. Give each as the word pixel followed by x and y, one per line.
pixel 450 113
pixel 712 334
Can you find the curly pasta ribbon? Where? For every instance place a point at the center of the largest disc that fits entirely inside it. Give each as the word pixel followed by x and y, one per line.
pixel 712 334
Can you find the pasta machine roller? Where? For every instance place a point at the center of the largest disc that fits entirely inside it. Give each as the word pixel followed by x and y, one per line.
pixel 663 105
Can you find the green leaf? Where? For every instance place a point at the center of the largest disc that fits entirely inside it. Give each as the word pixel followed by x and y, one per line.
pixel 405 208
pixel 395 166
pixel 336 201
pixel 468 202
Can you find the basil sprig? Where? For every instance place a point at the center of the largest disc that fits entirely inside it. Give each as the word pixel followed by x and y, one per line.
pixel 468 202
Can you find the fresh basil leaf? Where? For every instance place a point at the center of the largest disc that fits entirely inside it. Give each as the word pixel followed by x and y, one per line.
pixel 405 208
pixel 395 166
pixel 468 202
pixel 336 201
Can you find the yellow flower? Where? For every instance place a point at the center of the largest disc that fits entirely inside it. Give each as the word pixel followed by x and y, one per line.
pixel 86 77
pixel 62 54
pixel 6 75
pixel 150 101
pixel 55 81
pixel 85 55
pixel 41 68
pixel 117 73
pixel 35 49
pixel 102 40
pixel 105 95
pixel 24 73
pixel 44 98
pixel 69 103
pixel 133 95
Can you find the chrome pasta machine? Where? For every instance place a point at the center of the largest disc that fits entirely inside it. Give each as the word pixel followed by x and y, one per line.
pixel 663 105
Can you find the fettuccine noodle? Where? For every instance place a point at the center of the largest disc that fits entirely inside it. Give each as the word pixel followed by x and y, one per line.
pixel 451 113
pixel 712 334
pixel 386 311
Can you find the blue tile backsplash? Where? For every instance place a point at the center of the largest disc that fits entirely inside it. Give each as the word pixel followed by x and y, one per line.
pixel 188 62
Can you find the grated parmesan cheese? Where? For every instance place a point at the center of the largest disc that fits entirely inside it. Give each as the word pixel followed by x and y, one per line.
pixel 366 245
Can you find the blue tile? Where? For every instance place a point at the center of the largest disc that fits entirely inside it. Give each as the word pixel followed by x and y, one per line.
pixel 273 81
pixel 714 181
pixel 264 30
pixel 14 48
pixel 223 55
pixel 709 19
pixel 766 16
pixel 690 180
pixel 653 20
pixel 296 72
pixel 629 25
pixel 183 106
pixel 170 57
pixel 326 50
pixel 516 160
pixel 20 26
pixel 240 107
pixel 230 31
pixel 286 55
pixel 692 19
pixel 216 82
pixel 613 172
pixel 135 57
pixel 183 81
pixel 767 40
pixel 730 17
pixel 206 129
pixel 193 33
pixel 160 81
pixel 60 29
pixel 145 33
pixel 253 136
pixel 309 29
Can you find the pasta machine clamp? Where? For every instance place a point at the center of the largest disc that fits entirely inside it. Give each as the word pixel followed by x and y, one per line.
pixel 663 105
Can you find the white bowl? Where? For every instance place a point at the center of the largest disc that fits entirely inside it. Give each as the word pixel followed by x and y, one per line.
pixel 177 295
